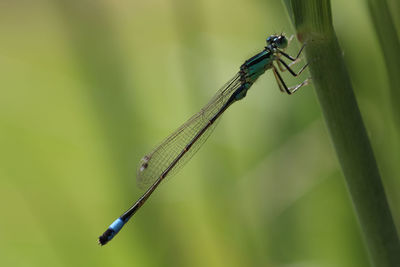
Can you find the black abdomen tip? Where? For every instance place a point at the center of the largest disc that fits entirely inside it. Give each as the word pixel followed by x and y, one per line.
pixel 106 236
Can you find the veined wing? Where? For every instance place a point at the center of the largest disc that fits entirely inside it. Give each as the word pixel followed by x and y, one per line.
pixel 157 161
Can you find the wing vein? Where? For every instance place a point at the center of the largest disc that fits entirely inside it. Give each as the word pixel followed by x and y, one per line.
pixel 160 158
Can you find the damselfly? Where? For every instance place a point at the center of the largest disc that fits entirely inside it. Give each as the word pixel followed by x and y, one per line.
pixel 181 145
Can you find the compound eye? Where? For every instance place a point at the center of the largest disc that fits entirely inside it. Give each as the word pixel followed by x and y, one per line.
pixel 271 39
pixel 282 42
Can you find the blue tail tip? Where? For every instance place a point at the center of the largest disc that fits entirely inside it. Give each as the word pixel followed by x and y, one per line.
pixel 111 231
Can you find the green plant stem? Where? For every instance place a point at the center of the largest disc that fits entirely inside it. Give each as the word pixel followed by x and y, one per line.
pixel 389 42
pixel 313 22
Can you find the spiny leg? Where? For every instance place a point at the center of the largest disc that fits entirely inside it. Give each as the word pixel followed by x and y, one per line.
pixel 290 57
pixel 289 69
pixel 293 89
pixel 282 69
pixel 294 60
pixel 281 83
pixel 278 80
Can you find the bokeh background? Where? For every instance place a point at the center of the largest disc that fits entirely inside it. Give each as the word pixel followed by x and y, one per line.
pixel 88 87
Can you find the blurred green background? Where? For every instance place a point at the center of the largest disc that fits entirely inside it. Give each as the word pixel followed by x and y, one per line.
pixel 89 87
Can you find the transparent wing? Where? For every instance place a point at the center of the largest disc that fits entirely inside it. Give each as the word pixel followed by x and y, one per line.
pixel 157 161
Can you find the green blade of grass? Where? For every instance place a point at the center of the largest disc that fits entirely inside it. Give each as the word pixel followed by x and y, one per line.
pixel 313 22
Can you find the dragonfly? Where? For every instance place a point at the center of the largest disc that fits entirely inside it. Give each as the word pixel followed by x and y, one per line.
pixel 168 157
